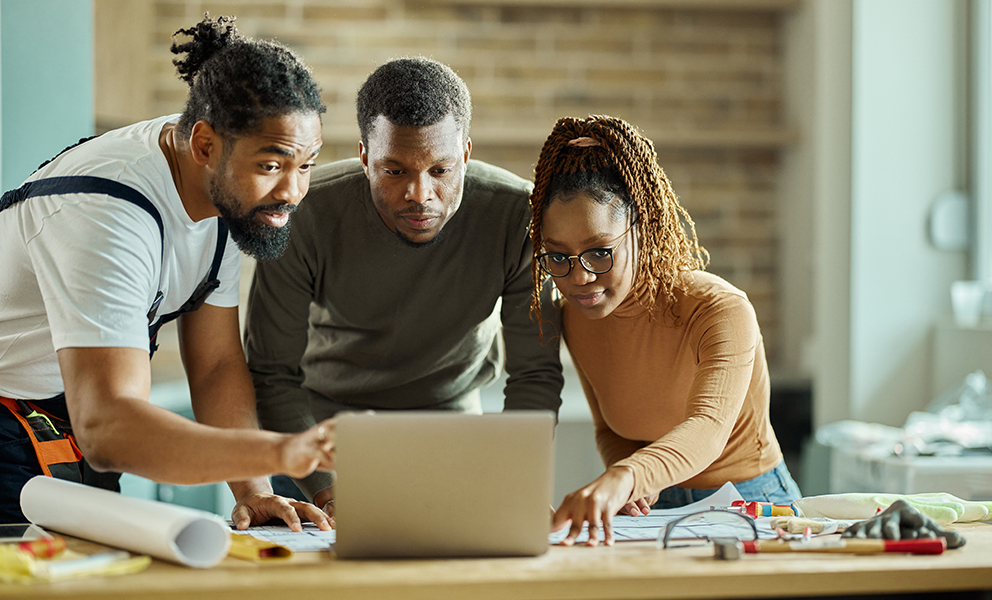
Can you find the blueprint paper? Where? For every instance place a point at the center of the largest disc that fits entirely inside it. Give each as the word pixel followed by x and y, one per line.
pixel 178 534
pixel 647 527
pixel 311 539
pixel 625 528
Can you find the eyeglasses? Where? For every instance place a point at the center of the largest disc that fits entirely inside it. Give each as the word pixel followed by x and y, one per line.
pixel 708 525
pixel 595 260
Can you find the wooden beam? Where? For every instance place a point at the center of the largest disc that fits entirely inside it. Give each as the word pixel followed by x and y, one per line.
pixel 738 5
pixel 517 135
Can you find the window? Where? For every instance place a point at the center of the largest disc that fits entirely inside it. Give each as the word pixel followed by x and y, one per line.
pixel 981 143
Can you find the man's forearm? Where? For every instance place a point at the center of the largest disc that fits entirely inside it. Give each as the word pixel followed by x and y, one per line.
pixel 534 373
pixel 226 399
pixel 138 437
pixel 533 362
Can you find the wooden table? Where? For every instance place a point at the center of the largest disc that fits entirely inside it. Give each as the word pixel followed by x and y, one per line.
pixel 627 570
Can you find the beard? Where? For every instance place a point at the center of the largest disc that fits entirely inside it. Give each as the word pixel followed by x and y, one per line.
pixel 256 239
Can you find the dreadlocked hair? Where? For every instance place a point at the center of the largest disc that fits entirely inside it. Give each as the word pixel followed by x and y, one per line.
pixel 236 82
pixel 617 161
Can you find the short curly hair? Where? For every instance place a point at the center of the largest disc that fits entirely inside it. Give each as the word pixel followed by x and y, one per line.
pixel 413 92
pixel 236 82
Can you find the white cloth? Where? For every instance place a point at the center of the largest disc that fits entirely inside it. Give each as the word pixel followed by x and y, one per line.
pixel 941 507
pixel 82 270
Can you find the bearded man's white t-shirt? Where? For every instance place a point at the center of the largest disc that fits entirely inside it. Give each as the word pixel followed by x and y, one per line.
pixel 82 270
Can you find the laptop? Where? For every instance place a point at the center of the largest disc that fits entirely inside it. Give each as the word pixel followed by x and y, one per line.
pixel 443 484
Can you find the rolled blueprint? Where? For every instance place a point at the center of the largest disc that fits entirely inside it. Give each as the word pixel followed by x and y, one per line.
pixel 174 533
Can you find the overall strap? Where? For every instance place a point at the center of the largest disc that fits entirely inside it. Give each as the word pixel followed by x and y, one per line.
pixel 209 283
pixel 219 250
pixel 82 184
pixel 64 150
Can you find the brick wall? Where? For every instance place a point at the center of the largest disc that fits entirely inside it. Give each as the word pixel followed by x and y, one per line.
pixel 702 79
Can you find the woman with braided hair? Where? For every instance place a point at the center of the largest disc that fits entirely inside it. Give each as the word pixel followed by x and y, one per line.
pixel 670 357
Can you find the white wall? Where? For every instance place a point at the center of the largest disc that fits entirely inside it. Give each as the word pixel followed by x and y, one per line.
pixel 795 206
pixel 877 90
pixel 908 145
pixel 815 200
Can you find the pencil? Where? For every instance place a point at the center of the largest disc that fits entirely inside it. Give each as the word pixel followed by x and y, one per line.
pixel 850 546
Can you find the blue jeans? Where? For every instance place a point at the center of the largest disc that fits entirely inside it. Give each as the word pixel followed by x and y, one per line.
pixel 775 486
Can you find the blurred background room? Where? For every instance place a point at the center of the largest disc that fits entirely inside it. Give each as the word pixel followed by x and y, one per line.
pixel 833 153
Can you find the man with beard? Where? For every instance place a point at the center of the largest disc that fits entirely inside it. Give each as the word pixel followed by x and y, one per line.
pixel 126 231
pixel 407 277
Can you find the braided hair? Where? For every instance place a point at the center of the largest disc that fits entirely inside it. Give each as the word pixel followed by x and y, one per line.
pixel 236 82
pixel 613 160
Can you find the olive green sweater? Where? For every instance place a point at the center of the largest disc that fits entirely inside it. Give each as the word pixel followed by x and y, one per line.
pixel 351 317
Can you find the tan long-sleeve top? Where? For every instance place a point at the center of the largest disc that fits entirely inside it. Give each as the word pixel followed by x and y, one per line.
pixel 683 400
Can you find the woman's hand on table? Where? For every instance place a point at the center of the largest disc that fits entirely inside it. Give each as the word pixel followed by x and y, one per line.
pixel 639 507
pixel 595 504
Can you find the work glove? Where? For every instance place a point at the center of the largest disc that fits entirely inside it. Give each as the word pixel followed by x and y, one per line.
pixel 900 521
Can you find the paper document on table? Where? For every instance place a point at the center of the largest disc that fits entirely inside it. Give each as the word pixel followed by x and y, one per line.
pixel 184 535
pixel 311 539
pixel 648 526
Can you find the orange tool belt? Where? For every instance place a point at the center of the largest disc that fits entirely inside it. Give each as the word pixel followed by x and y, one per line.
pixel 52 438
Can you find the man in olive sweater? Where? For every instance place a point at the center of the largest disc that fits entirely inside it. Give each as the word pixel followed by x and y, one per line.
pixel 407 277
